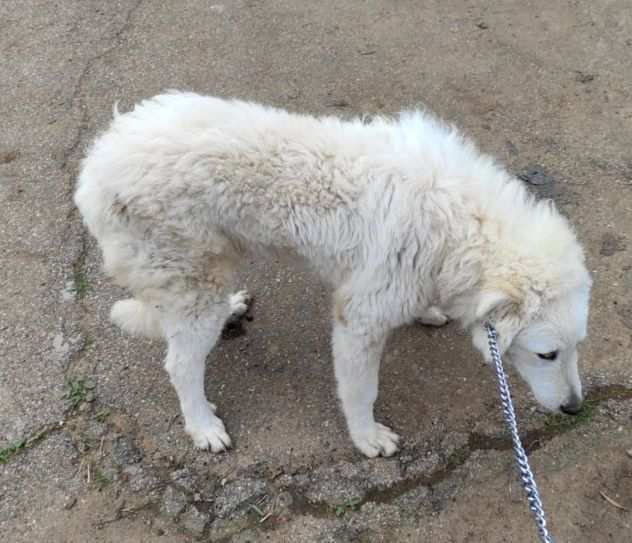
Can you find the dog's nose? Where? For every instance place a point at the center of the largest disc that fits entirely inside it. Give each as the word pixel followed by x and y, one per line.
pixel 573 407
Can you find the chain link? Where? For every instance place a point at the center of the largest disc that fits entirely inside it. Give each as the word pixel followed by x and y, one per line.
pixel 526 476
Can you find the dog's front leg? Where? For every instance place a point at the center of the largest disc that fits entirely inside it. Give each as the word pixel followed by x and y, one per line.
pixel 357 354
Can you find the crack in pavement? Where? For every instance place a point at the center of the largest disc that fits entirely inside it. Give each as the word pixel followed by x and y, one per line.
pixel 76 92
pixel 532 440
pixel 301 504
pixel 78 261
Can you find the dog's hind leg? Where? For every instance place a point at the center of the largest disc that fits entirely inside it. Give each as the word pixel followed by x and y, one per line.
pixel 191 335
pixel 137 318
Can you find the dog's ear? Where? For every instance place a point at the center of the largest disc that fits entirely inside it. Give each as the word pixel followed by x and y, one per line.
pixel 490 301
pixel 505 310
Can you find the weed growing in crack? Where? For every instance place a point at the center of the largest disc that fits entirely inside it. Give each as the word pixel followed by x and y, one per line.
pixel 82 285
pixel 102 415
pixel 351 504
pixel 565 422
pixel 9 452
pixel 20 446
pixel 459 456
pixel 87 342
pixel 101 481
pixel 77 393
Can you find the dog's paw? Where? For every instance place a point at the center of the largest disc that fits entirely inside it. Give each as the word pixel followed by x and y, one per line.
pixel 239 303
pixel 211 434
pixel 433 317
pixel 377 440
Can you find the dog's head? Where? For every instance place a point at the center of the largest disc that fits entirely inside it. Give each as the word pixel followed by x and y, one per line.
pixel 540 336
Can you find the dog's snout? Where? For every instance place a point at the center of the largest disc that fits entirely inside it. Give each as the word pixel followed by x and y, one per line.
pixel 573 406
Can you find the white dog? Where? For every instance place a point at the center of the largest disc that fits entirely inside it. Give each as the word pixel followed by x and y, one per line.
pixel 403 217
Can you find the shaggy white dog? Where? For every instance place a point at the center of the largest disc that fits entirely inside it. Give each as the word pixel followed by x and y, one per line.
pixel 403 217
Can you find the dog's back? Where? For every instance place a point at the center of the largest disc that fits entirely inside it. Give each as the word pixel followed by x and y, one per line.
pixel 189 176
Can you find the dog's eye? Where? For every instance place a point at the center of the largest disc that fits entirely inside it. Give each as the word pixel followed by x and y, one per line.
pixel 548 356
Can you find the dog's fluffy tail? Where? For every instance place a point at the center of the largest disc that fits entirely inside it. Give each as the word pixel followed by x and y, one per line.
pixel 136 318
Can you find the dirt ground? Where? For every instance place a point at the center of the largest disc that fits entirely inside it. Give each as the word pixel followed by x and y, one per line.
pixel 91 444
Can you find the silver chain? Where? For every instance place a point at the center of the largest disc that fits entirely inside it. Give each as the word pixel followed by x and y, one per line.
pixel 526 476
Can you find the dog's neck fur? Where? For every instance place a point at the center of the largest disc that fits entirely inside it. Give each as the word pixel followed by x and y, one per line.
pixel 513 251
pixel 492 237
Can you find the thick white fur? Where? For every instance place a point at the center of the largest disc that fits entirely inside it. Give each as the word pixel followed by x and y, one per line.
pixel 136 318
pixel 403 217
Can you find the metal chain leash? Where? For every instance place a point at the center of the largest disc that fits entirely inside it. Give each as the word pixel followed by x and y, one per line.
pixel 526 476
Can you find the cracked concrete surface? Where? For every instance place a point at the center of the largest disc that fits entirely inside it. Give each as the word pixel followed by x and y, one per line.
pixel 543 86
